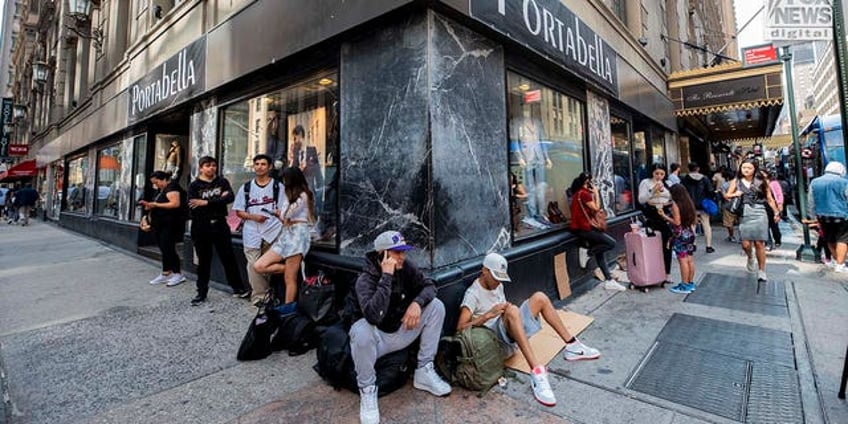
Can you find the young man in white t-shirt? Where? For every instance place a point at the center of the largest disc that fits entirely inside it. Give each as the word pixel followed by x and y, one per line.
pixel 261 227
pixel 484 304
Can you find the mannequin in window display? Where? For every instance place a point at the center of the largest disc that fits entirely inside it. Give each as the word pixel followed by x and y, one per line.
pixel 533 159
pixel 174 159
pixel 274 147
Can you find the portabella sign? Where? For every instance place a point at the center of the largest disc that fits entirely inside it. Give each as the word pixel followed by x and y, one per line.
pixel 179 78
pixel 552 29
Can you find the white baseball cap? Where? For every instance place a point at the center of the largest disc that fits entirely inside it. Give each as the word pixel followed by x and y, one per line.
pixel 391 240
pixel 497 265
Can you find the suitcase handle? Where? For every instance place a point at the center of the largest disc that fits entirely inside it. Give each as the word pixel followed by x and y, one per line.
pixel 634 258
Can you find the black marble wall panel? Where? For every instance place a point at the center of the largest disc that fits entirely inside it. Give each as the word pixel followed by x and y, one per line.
pixel 385 155
pixel 468 133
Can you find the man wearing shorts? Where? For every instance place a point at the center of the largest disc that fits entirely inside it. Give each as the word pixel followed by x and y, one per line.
pixel 828 200
pixel 485 304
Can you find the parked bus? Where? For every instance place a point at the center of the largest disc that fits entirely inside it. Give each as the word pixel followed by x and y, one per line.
pixel 823 136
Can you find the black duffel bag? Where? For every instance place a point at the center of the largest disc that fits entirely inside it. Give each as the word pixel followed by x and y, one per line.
pixel 295 333
pixel 256 343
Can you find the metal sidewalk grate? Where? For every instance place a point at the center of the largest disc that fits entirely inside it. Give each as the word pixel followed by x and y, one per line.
pixel 741 372
pixel 740 293
pixel 695 378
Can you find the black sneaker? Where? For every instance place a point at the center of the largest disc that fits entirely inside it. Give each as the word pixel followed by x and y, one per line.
pixel 710 249
pixel 198 300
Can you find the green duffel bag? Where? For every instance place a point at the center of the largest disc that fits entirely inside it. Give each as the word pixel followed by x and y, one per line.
pixel 473 359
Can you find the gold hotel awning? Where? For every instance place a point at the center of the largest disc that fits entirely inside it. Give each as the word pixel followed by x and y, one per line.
pixel 728 101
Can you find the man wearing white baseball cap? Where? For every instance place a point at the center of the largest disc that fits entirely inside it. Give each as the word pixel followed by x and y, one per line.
pixel 395 304
pixel 485 304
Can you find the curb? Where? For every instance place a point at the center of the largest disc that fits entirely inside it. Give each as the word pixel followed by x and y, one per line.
pixel 5 399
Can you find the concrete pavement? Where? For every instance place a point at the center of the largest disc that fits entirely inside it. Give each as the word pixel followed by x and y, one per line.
pixel 84 338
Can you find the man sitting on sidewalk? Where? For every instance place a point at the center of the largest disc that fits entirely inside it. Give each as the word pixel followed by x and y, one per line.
pixel 395 305
pixel 485 304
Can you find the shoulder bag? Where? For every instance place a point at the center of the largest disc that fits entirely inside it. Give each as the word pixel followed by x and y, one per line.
pixel 597 220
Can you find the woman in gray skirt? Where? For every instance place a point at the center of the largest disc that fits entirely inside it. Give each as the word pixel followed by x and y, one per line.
pixel 753 224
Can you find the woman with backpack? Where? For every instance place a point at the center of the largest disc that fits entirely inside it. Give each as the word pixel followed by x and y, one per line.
pixel 584 205
pixel 753 223
pixel 291 247
pixel 166 218
pixel 682 220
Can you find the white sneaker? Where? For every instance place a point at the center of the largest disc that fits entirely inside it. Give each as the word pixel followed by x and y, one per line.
pixel 752 263
pixel 582 257
pixel 840 269
pixel 369 413
pixel 175 280
pixel 577 351
pixel 761 277
pixel 541 387
pixel 614 285
pixel 831 264
pixel 161 278
pixel 426 379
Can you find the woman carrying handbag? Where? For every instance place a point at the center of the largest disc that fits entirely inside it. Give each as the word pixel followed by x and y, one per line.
pixel 753 224
pixel 588 223
pixel 653 196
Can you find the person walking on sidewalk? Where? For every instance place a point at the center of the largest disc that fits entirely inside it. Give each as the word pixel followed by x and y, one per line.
pixel 700 188
pixel 682 221
pixel 654 195
pixel 395 305
pixel 777 193
pixel 26 197
pixel 168 222
pixel 287 253
pixel 208 197
pixel 585 203
pixel 728 219
pixel 674 174
pixel 753 225
pixel 828 200
pixel 256 203
pixel 485 305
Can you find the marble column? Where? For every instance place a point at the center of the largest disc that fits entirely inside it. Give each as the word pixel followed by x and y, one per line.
pixel 126 160
pixel 385 149
pixel 600 149
pixel 203 133
pixel 469 147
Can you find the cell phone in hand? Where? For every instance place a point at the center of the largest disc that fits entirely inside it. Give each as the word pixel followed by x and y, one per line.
pixel 268 212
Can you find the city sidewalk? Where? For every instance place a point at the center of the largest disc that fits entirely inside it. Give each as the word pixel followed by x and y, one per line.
pixel 85 338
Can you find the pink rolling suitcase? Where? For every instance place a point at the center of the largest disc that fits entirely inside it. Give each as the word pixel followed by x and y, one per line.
pixel 645 266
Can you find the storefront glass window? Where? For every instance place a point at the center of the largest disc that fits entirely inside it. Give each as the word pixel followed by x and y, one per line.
pixel 139 177
pixel 170 151
pixel 77 182
pixel 108 200
pixel 295 126
pixel 546 153
pixel 621 164
pixel 658 148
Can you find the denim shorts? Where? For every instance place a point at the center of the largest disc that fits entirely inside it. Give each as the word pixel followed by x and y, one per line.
pixel 531 327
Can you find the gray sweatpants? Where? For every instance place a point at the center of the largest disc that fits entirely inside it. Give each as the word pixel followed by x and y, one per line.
pixel 367 342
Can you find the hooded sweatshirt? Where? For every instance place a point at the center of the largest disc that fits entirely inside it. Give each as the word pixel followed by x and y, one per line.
pixel 382 298
pixel 699 188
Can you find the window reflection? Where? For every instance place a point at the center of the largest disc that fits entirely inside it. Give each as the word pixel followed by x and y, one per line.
pixel 77 184
pixel 546 153
pixel 621 164
pixel 108 200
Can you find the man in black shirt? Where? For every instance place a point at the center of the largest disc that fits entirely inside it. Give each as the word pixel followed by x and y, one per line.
pixel 208 197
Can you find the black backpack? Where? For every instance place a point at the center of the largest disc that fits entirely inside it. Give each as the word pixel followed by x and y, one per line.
pixel 335 363
pixel 276 189
pixel 296 333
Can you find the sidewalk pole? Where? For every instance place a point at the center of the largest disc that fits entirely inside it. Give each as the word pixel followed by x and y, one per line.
pixel 805 252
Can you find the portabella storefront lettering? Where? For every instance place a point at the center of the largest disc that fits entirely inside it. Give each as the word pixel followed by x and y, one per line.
pixel 180 78
pixel 552 29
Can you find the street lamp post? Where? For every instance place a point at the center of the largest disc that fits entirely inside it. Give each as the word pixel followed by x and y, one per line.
pixel 839 50
pixel 805 252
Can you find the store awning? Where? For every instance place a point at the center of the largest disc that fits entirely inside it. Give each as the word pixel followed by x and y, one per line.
pixel 24 169
pixel 728 101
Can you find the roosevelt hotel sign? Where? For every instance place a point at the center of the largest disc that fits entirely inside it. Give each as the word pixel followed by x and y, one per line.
pixel 179 78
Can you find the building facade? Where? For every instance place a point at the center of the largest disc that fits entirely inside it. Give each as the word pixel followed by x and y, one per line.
pixel 422 116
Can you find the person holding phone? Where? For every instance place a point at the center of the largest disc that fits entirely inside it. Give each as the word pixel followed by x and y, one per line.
pixel 395 305
pixel 257 203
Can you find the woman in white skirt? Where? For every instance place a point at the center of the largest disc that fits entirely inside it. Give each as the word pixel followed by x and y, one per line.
pixel 287 253
pixel 753 224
